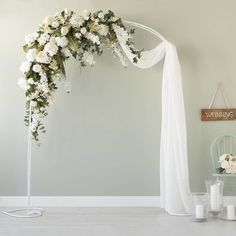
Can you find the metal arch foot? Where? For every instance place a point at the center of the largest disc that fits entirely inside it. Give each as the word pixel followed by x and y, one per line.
pixel 25 212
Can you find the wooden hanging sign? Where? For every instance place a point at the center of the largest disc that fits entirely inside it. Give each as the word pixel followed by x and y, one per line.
pixel 214 114
pixel 218 114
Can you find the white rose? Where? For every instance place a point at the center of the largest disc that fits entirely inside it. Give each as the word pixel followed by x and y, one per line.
pixel 30 81
pixel 22 82
pixel 76 21
pixel 55 24
pixel 25 66
pixel 37 68
pixel 83 30
pixel 78 35
pixel 31 54
pixel 42 57
pixel 62 41
pixel 100 15
pixel 64 30
pixel 85 14
pixel 48 20
pixel 225 164
pixel 51 49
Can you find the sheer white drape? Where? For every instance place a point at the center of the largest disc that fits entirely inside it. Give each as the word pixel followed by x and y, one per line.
pixel 174 176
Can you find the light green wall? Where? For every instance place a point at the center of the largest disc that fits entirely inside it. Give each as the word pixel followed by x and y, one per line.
pixel 103 138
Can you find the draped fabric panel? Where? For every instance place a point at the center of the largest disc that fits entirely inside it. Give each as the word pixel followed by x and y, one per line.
pixel 174 176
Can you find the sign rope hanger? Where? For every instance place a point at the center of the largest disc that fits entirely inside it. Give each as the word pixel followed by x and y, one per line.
pixel 218 114
pixel 67 34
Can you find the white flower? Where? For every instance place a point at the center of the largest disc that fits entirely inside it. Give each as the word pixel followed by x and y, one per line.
pixel 31 54
pixel 83 30
pixel 53 65
pixel 51 48
pixel 225 165
pixel 125 36
pixel 78 35
pixel 85 14
pixel 25 66
pixel 103 30
pixel 42 57
pixel 55 24
pixel 53 40
pixel 48 20
pixel 88 58
pixel 100 15
pixel 62 41
pixel 43 38
pixel 114 18
pixel 64 30
pixel 22 82
pixel 93 38
pixel 37 68
pixel 224 157
pixel 76 21
pixel 30 81
pixel 30 38
pixel 33 103
pixel 66 52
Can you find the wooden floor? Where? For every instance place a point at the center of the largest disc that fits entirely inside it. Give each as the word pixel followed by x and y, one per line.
pixel 111 222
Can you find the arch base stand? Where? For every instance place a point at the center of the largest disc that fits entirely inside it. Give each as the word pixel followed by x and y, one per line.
pixel 25 212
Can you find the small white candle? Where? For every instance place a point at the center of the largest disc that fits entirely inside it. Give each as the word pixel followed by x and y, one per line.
pixel 215 197
pixel 199 211
pixel 231 212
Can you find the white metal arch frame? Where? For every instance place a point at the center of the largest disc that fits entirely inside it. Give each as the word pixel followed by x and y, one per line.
pixel 174 177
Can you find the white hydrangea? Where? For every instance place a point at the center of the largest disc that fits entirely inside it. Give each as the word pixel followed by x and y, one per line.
pixel 43 38
pixel 30 38
pixel 85 14
pixel 103 30
pixel 76 21
pixel 31 54
pixel 25 66
pixel 93 38
pixel 88 58
pixel 125 36
pixel 42 57
pixel 37 68
pixel 64 30
pixel 62 41
pixel 51 48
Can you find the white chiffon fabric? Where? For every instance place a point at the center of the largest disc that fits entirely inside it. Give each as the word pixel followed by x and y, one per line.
pixel 174 176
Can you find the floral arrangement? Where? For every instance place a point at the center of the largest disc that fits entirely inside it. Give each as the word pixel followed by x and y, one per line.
pixel 59 37
pixel 227 164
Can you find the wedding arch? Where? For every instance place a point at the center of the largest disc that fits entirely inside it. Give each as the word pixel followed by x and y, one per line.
pixel 82 36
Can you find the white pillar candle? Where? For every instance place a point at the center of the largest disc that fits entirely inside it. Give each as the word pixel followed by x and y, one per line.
pixel 215 197
pixel 199 211
pixel 230 212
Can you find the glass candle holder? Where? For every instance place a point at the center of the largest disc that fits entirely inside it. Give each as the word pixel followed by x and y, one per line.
pixel 199 207
pixel 229 212
pixel 215 197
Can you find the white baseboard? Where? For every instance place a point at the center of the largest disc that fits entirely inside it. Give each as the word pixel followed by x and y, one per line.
pixel 90 201
pixel 82 201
